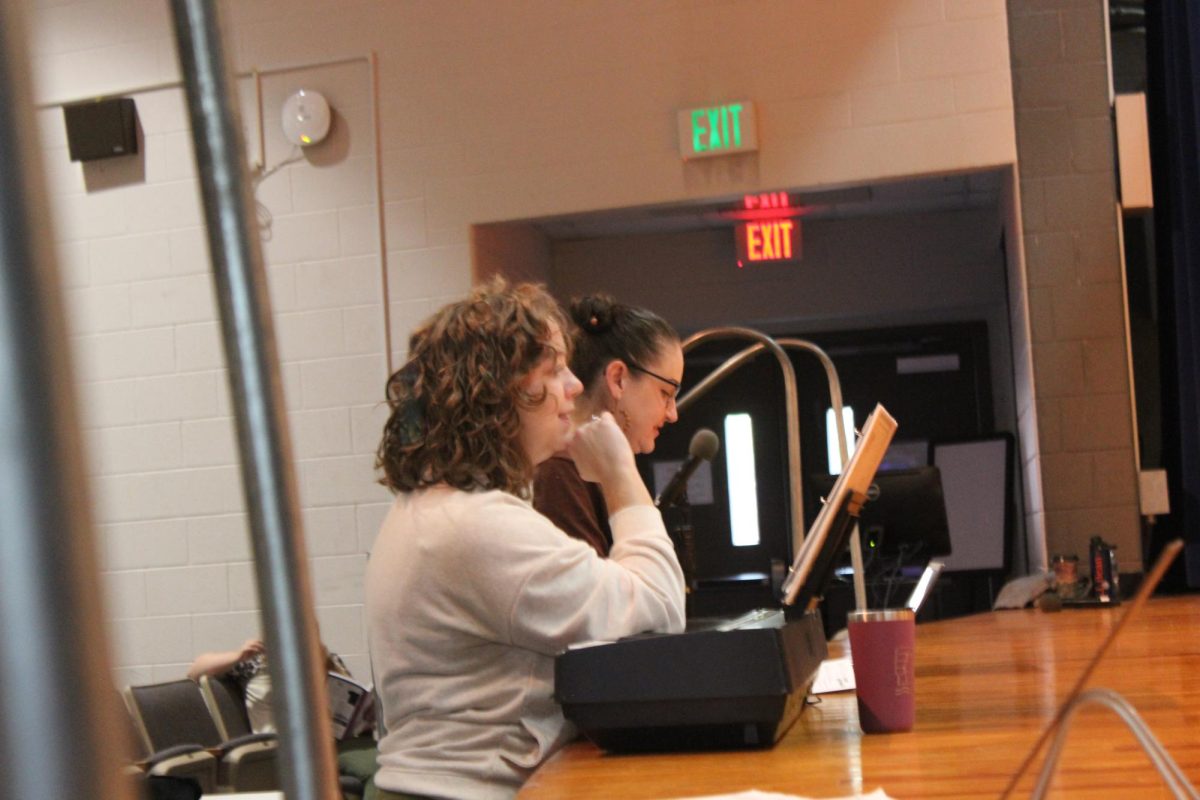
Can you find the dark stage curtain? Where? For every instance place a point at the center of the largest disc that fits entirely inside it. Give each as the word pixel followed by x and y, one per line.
pixel 1173 55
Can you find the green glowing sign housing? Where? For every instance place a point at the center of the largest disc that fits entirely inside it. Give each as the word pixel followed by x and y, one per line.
pixel 717 130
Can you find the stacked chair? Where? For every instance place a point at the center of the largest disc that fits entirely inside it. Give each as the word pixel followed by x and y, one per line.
pixel 174 718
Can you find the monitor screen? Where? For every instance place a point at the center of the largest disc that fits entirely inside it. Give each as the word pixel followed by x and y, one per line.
pixel 903 521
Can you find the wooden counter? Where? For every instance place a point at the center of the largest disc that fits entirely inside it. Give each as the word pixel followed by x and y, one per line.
pixel 987 686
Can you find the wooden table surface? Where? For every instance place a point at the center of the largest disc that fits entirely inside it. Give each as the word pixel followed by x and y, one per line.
pixel 987 686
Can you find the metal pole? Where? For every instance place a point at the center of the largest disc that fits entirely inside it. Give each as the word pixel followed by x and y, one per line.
pixel 307 768
pixel 60 734
pixel 791 409
pixel 835 394
pixel 835 398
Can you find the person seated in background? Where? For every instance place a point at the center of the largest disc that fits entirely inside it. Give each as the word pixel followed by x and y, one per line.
pixel 631 363
pixel 470 592
pixel 247 665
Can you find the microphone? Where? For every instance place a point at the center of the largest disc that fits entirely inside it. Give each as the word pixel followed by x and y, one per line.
pixel 703 447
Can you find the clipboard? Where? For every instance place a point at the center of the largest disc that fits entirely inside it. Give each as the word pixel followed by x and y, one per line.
pixel 830 531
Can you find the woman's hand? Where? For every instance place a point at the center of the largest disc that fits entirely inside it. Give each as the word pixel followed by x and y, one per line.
pixel 250 649
pixel 602 455
pixel 599 449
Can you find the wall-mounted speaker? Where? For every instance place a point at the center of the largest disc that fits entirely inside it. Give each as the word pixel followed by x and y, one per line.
pixel 101 128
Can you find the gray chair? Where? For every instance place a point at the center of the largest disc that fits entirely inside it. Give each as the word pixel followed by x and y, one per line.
pixel 190 761
pixel 227 704
pixel 174 714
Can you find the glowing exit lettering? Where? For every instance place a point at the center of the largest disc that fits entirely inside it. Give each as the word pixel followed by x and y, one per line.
pixel 769 230
pixel 717 130
pixel 770 240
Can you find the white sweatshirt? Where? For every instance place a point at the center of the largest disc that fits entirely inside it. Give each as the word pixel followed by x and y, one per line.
pixel 469 597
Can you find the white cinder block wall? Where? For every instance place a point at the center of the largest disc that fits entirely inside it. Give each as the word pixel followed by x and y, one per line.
pixel 153 386
pixel 489 111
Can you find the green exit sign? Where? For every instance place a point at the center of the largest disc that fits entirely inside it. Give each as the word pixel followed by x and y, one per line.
pixel 718 130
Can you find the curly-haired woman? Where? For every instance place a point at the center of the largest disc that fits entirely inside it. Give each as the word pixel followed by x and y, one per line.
pixel 631 363
pixel 470 592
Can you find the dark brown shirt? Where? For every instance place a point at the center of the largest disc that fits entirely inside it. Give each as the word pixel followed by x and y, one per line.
pixel 571 503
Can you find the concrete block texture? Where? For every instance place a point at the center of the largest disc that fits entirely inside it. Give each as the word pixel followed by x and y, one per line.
pixel 1050 258
pixel 1080 201
pixel 1036 39
pixel 1058 369
pixel 1084 33
pixel 1115 477
pixel 1068 196
pixel 1049 423
pixel 1088 310
pixel 1092 144
pixel 1041 145
pixel 1068 480
pixel 1106 365
pixel 1097 422
pixel 1081 88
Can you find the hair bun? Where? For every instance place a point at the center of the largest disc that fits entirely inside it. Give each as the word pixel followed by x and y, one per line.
pixel 593 314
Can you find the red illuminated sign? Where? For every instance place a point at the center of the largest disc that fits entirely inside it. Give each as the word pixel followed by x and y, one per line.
pixel 769 240
pixel 770 231
pixel 767 200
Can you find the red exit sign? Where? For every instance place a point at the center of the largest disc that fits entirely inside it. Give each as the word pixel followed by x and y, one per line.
pixel 772 240
pixel 770 231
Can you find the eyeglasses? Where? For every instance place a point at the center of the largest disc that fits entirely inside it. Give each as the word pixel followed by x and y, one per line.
pixel 673 384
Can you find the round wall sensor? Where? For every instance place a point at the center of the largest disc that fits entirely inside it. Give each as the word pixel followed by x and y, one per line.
pixel 305 118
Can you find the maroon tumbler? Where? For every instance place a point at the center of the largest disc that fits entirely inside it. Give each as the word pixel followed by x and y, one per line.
pixel 882 650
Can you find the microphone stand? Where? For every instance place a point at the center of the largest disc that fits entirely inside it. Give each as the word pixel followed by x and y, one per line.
pixel 835 396
pixel 678 519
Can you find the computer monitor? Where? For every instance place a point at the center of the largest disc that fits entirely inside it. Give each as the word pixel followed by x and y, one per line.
pixel 903 523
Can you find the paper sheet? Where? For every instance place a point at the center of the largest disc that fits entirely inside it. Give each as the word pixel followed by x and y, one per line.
pixel 834 675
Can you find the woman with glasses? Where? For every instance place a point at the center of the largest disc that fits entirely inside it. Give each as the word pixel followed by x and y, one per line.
pixel 631 363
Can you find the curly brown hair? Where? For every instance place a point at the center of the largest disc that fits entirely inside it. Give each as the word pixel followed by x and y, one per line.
pixel 454 404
